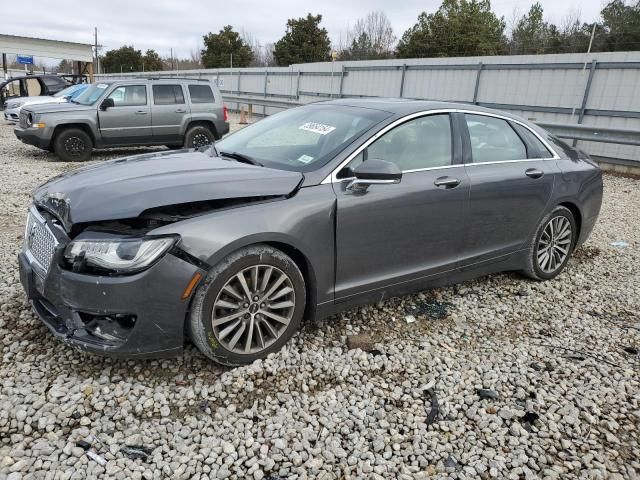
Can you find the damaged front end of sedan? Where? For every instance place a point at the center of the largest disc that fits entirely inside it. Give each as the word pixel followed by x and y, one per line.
pixel 95 271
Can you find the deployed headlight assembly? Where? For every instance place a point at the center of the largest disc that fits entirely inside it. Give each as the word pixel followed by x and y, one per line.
pixel 117 256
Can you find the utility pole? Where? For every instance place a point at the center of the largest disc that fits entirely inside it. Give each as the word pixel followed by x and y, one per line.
pixel 171 58
pixel 95 46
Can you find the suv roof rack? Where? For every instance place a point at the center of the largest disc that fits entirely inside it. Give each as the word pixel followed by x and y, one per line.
pixel 168 77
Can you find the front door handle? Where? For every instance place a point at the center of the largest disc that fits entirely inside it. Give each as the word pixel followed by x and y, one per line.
pixel 141 112
pixel 534 173
pixel 181 110
pixel 446 182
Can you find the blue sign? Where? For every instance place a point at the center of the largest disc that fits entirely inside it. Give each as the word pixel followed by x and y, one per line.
pixel 25 59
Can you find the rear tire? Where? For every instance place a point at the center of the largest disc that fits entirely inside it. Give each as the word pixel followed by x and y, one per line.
pixel 552 245
pixel 73 145
pixel 250 305
pixel 198 136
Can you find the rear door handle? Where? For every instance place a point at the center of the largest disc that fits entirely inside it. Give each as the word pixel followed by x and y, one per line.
pixel 446 182
pixel 141 112
pixel 534 173
pixel 181 110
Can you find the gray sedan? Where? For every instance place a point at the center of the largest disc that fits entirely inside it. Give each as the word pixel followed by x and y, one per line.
pixel 301 215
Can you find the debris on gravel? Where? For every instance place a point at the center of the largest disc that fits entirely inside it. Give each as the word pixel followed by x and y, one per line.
pixel 566 387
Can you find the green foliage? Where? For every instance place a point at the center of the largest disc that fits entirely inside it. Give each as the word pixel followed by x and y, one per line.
pixel 303 42
pixel 218 48
pixel 458 28
pixel 532 35
pixel 123 59
pixel 152 61
pixel 621 26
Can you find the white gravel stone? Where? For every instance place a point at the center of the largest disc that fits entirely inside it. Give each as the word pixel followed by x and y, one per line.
pixel 319 410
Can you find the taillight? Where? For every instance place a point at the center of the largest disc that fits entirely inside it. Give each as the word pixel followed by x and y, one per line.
pixel 226 114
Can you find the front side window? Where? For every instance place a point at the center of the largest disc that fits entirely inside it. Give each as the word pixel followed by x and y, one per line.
pixel 129 96
pixel 33 87
pixel 167 95
pixel 304 138
pixel 201 94
pixel 424 142
pixel 493 140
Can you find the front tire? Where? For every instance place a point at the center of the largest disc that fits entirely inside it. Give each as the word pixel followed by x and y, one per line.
pixel 552 245
pixel 73 145
pixel 249 306
pixel 198 136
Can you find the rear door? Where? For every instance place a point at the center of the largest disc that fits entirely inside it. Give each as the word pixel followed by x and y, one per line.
pixel 168 112
pixel 129 121
pixel 391 235
pixel 511 185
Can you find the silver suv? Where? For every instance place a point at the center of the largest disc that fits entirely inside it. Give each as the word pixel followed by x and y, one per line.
pixel 176 112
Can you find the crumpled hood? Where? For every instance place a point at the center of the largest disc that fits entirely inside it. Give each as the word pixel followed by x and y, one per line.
pixel 126 187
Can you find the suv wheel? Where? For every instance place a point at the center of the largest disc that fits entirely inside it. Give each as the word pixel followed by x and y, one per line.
pixel 198 136
pixel 73 145
pixel 250 305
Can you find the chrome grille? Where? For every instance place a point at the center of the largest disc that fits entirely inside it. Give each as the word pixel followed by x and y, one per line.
pixel 39 242
pixel 23 119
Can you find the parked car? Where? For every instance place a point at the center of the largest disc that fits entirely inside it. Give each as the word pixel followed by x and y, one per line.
pixel 13 107
pixel 175 112
pixel 300 215
pixel 31 86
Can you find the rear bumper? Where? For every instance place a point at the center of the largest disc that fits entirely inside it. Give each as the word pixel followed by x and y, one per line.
pixel 139 316
pixel 30 137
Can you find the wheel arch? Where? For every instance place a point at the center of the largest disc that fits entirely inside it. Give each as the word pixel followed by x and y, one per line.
pixel 290 247
pixel 202 123
pixel 577 216
pixel 66 126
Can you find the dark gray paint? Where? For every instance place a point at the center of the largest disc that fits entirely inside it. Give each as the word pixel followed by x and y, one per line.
pixel 127 187
pixel 352 248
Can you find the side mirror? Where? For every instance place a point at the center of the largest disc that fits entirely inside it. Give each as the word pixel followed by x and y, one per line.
pixel 107 103
pixel 374 171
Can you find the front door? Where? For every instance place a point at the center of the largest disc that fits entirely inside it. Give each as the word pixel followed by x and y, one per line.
pixel 511 186
pixel 396 234
pixel 129 121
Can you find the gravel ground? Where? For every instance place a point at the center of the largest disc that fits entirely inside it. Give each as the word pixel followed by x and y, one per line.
pixel 558 360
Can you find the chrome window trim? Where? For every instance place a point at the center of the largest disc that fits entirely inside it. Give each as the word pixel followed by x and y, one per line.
pixel 332 177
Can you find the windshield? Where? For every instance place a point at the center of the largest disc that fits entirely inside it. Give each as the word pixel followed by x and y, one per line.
pixel 91 94
pixel 69 91
pixel 301 139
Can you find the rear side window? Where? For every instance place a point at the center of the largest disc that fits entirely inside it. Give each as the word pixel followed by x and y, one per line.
pixel 167 94
pixel 201 94
pixel 535 148
pixel 53 82
pixel 493 140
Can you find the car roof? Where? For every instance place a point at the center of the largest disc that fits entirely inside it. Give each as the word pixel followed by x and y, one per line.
pixel 407 106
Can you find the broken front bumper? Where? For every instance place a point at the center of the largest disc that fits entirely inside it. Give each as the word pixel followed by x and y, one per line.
pixel 140 315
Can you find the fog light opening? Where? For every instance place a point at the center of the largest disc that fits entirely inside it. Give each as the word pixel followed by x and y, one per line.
pixel 111 328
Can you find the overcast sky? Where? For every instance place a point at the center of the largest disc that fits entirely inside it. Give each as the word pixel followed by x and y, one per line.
pixel 180 24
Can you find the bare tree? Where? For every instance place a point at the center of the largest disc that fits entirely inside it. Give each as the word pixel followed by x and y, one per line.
pixel 371 37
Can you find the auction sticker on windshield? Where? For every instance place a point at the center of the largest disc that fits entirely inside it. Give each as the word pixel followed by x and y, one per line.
pixel 315 127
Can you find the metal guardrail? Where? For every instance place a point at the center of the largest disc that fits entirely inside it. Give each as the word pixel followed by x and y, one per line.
pixel 590 133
